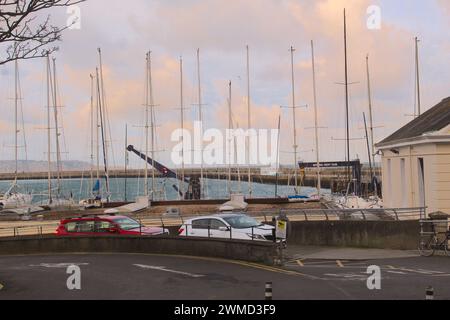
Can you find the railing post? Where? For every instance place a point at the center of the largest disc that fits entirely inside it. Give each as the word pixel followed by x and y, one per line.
pixel 364 216
pixel 306 216
pixel 209 231
pixel 325 212
pixel 253 233
pixel 396 215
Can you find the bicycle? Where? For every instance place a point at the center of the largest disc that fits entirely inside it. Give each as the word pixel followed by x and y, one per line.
pixel 429 242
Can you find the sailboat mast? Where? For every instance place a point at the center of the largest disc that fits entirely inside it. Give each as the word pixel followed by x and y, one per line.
pixel 16 132
pixel 316 126
pixel 416 41
pixel 126 163
pixel 230 126
pixel 103 121
pixel 97 127
pixel 295 146
pixel 370 108
pixel 103 136
pixel 152 117
pixel 182 127
pixel 92 131
pixel 249 124
pixel 49 178
pixel 368 147
pixel 200 119
pixel 346 100
pixel 146 123
pixel 58 151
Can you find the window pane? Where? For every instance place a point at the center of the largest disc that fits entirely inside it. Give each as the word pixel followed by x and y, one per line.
pixel 102 226
pixel 200 224
pixel 86 226
pixel 71 227
pixel 216 224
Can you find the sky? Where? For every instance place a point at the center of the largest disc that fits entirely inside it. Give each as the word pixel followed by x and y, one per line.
pixel 222 29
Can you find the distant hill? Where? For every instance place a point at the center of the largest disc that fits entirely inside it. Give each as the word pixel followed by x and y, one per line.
pixel 7 166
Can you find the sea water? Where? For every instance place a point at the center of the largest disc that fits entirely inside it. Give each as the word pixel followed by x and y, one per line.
pixel 213 188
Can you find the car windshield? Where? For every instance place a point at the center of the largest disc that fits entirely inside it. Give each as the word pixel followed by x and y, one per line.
pixel 127 223
pixel 241 221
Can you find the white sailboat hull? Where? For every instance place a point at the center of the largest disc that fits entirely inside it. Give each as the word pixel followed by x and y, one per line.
pixel 140 204
pixel 15 200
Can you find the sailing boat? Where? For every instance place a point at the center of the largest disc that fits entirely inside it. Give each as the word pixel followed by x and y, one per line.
pixel 237 201
pixel 13 197
pixel 352 200
pixel 56 199
pixel 94 201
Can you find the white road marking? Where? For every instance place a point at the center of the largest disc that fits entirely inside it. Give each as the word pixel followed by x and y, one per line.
pixel 59 265
pixel 421 271
pixel 160 268
pixel 345 275
pixel 430 271
pixel 396 272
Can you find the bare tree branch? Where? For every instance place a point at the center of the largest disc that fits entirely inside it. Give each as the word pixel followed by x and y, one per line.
pixel 25 36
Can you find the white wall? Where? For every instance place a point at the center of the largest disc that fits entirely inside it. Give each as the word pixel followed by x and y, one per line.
pixel 398 192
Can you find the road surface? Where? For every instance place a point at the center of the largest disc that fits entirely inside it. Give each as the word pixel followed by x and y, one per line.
pixel 137 276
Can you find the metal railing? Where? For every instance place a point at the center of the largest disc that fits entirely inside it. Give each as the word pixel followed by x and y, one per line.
pixel 28 230
pixel 387 214
pixel 433 227
pixel 266 216
pixel 184 231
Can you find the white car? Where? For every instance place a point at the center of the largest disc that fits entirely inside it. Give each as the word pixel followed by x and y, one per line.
pixel 228 226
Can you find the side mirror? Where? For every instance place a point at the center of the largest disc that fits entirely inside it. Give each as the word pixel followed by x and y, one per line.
pixel 224 229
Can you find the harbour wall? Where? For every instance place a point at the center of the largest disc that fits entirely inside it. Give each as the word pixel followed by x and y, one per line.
pixel 402 235
pixel 252 251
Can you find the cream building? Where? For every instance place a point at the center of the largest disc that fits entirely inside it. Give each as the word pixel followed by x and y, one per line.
pixel 416 162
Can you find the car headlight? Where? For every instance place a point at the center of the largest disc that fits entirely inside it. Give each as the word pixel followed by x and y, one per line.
pixel 256 236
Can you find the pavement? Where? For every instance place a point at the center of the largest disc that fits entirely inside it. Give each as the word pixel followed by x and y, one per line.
pixel 294 252
pixel 156 277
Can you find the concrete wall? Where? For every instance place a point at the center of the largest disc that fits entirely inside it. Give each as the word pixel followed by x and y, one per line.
pixel 366 234
pixel 254 251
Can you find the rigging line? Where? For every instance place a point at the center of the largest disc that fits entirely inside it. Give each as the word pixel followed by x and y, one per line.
pixel 105 122
pixel 55 110
pixel 61 118
pixel 22 116
pixel 103 141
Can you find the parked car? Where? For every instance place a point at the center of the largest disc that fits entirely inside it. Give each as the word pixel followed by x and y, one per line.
pixel 105 224
pixel 227 225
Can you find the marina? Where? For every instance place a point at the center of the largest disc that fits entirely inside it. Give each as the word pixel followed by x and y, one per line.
pixel 214 150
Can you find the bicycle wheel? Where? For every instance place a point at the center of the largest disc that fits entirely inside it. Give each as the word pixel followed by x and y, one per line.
pixel 427 245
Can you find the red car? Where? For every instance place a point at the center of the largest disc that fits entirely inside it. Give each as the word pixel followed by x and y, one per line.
pixel 105 224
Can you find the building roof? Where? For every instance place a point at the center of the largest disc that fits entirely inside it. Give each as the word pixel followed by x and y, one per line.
pixel 435 119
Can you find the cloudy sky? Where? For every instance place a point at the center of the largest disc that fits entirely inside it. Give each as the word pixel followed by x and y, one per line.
pixel 222 29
